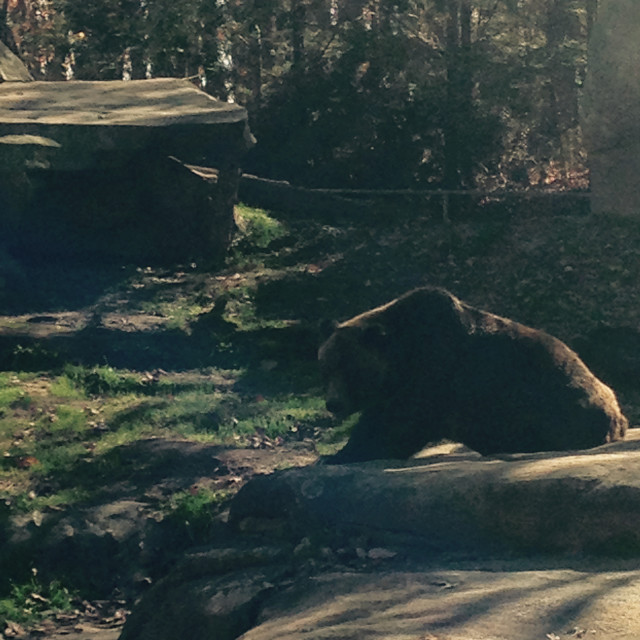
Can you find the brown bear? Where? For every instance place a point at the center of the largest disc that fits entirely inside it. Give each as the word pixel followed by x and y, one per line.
pixel 427 366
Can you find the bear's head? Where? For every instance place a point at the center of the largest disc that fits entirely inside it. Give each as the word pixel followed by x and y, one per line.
pixel 409 342
pixel 354 367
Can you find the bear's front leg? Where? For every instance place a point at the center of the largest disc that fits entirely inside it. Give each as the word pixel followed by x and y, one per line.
pixel 380 435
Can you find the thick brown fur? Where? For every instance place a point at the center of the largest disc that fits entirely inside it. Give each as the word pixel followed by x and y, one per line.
pixel 427 366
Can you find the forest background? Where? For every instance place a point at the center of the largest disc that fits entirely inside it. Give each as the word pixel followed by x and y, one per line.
pixel 351 93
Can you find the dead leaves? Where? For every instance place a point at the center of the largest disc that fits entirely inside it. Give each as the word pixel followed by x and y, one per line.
pixel 87 617
pixel 14 630
pixel 576 632
pixel 260 440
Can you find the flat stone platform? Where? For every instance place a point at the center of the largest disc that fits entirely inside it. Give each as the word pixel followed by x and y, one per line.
pixel 142 103
pixel 91 168
pixel 77 125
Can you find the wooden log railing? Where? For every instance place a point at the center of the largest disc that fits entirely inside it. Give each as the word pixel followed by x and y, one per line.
pixel 282 195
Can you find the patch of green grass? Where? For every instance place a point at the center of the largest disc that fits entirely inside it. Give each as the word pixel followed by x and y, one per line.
pixel 240 308
pixel 101 381
pixel 9 395
pixel 64 387
pixel 57 458
pixel 180 319
pixel 31 601
pixel 67 421
pixel 26 502
pixel 208 415
pixel 256 227
pixel 6 378
pixel 11 378
pixel 31 357
pixel 178 313
pixel 24 401
pixel 194 511
pixel 277 417
pixel 193 412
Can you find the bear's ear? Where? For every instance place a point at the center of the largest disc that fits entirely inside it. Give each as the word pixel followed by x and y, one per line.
pixel 374 335
pixel 326 327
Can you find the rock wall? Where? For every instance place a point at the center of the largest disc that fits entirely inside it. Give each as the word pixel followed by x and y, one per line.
pixel 611 108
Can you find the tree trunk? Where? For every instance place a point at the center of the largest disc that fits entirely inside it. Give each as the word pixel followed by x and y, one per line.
pixel 255 66
pixel 465 92
pixel 450 128
pixel 458 170
pixel 562 111
pixel 6 35
pixel 592 14
pixel 298 19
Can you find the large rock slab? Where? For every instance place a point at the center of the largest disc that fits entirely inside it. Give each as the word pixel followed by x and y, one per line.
pixel 419 550
pixel 96 124
pixel 611 108
pixel 487 603
pixel 157 102
pixel 399 599
pixel 88 168
pixel 586 501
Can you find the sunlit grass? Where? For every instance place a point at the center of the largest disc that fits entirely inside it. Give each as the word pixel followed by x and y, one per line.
pixel 256 227
pixel 28 502
pixel 64 387
pixel 193 512
pixel 178 314
pixel 32 600
pixel 280 416
pixel 10 395
pixel 66 429
pixel 67 420
pixel 104 381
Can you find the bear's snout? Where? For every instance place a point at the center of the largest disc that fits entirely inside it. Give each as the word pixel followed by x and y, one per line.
pixel 337 397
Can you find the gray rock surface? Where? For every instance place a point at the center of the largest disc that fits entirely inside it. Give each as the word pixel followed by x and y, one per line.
pixel 610 107
pixel 158 102
pixel 420 550
pixel 586 501
pixel 401 599
pixel 484 603
pixel 205 598
pixel 96 124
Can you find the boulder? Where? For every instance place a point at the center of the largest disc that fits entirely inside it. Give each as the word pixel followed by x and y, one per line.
pixel 196 602
pixel 108 169
pixel 423 549
pixel 482 600
pixel 585 501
